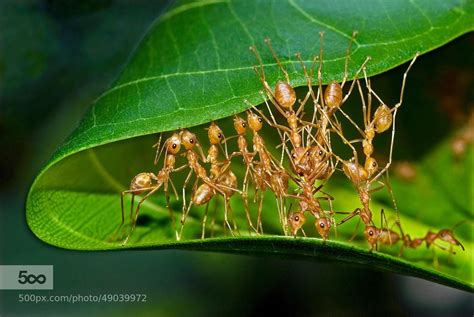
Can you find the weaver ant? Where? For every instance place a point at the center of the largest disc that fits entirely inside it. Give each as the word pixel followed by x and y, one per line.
pixel 224 184
pixel 149 183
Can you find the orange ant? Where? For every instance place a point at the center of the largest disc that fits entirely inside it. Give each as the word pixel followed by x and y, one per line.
pixel 221 175
pixel 150 183
pixel 189 141
pixel 266 172
pixel 363 176
pixel 283 97
pixel 240 126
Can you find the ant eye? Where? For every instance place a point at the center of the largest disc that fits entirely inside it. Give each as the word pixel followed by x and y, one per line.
pixel 297 218
pixel 191 141
pixel 244 125
pixel 308 153
pixel 321 224
pixel 174 146
pixel 374 164
pixel 320 153
pixel 260 120
pixel 371 233
pixel 219 135
pixel 293 156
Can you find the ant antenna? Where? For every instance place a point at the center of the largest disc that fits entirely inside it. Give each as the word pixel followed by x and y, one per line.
pixel 158 150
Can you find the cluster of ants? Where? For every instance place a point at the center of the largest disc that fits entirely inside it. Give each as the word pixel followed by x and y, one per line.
pixel 306 143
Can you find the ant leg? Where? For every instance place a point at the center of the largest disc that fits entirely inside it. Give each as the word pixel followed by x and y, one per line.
pixel 217 188
pixel 351 215
pixel 168 205
pixel 308 82
pixel 231 215
pixel 392 196
pixel 151 192
pixel 346 63
pixel 355 231
pixel 320 81
pixel 269 44
pixel 213 222
pixel 261 74
pixel 226 212
pixel 203 234
pixel 259 215
pixel 186 181
pixel 159 149
pixel 186 211
pixel 280 214
pixel 273 124
pixel 123 216
pixel 303 232
pixel 245 189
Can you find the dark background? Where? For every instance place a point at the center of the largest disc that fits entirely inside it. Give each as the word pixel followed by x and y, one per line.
pixel 57 56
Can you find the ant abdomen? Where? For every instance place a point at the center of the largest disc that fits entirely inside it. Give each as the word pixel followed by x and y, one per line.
pixel 142 181
pixel 355 172
pixel 203 194
pixel 333 96
pixel 285 95
pixel 382 118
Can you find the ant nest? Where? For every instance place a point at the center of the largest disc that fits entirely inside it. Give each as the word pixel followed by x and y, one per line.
pixel 295 178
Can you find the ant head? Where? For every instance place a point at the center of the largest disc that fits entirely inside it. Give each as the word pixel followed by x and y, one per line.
pixel 173 144
pixel 255 122
pixel 371 234
pixel 322 226
pixel 318 153
pixel 300 157
pixel 299 154
pixel 382 118
pixel 371 166
pixel 188 139
pixel 296 221
pixel 285 95
pixel 240 125
pixel 448 236
pixel 215 134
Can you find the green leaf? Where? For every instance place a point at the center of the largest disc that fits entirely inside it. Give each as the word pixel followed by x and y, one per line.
pixel 194 66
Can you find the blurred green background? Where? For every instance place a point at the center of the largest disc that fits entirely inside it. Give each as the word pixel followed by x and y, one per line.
pixel 57 56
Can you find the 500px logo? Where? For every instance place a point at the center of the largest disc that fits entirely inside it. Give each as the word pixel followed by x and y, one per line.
pixel 26 277
pixel 23 278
